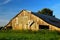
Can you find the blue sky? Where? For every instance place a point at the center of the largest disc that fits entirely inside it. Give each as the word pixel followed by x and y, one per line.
pixel 9 8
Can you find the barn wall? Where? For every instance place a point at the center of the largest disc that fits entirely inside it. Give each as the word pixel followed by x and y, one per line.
pixel 42 22
pixel 51 27
pixel 23 20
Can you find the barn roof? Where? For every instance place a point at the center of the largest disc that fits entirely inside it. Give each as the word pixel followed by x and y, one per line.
pixel 49 19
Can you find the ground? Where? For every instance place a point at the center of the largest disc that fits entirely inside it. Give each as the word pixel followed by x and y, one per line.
pixel 29 35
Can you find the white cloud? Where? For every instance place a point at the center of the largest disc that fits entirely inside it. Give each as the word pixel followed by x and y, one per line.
pixel 5 2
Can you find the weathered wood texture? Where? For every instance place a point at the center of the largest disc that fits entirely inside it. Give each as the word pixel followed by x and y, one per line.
pixel 27 21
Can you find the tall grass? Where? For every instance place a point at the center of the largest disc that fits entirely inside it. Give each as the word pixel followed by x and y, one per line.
pixel 29 35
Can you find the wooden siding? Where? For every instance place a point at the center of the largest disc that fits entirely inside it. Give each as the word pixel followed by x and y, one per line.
pixel 27 21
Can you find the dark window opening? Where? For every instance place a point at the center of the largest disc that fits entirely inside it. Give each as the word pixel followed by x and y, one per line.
pixel 9 27
pixel 43 27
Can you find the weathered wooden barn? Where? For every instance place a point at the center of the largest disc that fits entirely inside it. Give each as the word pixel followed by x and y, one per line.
pixel 27 20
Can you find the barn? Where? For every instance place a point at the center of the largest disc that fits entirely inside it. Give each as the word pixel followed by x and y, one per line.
pixel 28 20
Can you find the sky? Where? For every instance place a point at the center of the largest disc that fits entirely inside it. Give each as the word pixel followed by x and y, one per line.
pixel 9 8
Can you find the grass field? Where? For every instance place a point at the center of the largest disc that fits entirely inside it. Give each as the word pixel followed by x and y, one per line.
pixel 29 35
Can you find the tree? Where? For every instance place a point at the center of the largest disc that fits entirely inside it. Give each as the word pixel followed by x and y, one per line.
pixel 46 11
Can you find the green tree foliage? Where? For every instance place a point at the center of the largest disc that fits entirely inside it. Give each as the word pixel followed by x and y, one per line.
pixel 46 11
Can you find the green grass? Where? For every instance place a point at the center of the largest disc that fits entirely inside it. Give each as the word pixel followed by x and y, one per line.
pixel 29 35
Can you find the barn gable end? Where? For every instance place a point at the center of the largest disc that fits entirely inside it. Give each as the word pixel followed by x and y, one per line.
pixel 30 21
